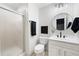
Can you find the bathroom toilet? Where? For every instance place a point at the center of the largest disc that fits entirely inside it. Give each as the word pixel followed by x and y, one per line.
pixel 40 48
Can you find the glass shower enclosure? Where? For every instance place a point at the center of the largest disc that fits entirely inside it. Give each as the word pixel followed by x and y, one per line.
pixel 11 33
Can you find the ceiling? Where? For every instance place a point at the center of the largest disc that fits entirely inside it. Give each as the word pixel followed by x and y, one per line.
pixel 15 6
pixel 41 5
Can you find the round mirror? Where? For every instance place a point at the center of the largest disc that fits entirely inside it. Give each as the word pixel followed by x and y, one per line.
pixel 61 21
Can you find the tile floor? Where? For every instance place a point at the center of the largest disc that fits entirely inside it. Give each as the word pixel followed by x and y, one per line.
pixel 46 54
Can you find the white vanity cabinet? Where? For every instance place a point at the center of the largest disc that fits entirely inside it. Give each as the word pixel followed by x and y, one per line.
pixel 59 48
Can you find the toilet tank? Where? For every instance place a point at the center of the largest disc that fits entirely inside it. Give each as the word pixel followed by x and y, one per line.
pixel 43 40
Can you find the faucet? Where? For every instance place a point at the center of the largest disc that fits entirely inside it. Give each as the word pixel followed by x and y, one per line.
pixel 60 34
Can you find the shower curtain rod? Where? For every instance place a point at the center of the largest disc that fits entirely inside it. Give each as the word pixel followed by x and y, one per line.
pixel 10 10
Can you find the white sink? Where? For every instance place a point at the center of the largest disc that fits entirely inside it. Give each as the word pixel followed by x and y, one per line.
pixel 69 39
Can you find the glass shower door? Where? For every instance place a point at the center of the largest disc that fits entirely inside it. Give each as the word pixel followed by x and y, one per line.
pixel 11 33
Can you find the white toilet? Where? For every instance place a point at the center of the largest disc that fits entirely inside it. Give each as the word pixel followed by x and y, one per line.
pixel 40 48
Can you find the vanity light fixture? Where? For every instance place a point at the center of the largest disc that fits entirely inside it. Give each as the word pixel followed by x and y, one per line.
pixel 59 5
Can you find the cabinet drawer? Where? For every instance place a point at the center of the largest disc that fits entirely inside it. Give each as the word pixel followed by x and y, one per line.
pixel 64 45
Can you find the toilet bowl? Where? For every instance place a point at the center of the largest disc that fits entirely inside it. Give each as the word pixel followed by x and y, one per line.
pixel 39 48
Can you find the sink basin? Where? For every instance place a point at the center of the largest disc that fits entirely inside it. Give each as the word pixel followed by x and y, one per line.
pixel 69 39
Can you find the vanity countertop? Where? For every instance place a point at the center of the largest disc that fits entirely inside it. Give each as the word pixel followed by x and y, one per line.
pixel 44 37
pixel 70 39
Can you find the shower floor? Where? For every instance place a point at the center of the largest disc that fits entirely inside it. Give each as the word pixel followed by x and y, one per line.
pixel 14 51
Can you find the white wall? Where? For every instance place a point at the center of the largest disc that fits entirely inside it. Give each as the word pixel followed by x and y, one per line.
pixel 33 15
pixel 47 14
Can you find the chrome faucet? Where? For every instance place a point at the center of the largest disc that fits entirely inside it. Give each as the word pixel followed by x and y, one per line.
pixel 60 34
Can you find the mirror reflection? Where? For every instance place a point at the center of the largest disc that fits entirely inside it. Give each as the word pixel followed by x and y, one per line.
pixel 62 21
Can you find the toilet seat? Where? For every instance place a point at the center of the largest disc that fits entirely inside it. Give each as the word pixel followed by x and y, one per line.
pixel 39 48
